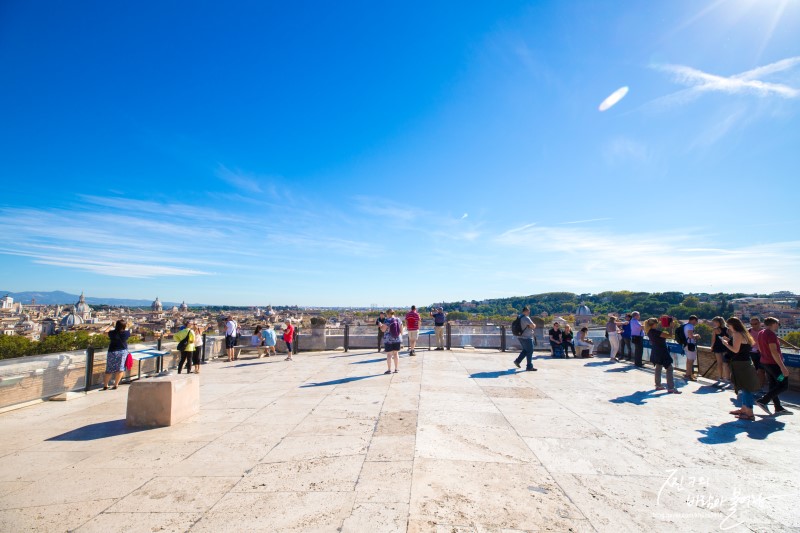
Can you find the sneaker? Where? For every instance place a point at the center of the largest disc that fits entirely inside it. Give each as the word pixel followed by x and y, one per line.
pixel 517 364
pixel 387 372
pixel 764 407
pixel 674 391
pixel 531 369
pixel 783 411
pixel 411 353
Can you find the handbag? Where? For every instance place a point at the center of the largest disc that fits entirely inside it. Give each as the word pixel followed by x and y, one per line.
pixel 129 362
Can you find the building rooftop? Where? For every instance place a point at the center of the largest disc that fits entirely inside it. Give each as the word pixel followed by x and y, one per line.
pixel 456 441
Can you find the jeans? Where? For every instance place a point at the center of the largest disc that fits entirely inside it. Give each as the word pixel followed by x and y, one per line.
pixel 670 380
pixel 775 387
pixel 526 353
pixel 638 349
pixel 566 345
pixel 186 357
pixel 745 397
pixel 626 350
pixel 380 339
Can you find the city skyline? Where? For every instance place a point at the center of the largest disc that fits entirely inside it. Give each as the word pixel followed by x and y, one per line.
pixel 365 154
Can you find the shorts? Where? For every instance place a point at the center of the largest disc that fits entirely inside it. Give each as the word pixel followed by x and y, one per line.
pixel 691 355
pixel 230 341
pixel 413 334
pixel 392 347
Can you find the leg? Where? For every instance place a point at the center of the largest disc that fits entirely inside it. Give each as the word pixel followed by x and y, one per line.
pixel 775 387
pixel 720 365
pixel 613 339
pixel 747 402
pixel 639 348
pixel 658 376
pixel 396 357
pixel 388 360
pixel 117 379
pixel 196 361
pixel 670 377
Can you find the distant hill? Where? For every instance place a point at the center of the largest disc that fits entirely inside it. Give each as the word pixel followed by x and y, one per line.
pixel 64 298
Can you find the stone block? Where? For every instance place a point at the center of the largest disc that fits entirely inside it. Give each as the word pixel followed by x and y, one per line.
pixel 163 401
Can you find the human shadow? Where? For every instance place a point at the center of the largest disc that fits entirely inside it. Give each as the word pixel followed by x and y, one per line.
pixel 99 430
pixel 347 355
pixel 636 398
pixel 339 381
pixel 623 368
pixel 496 374
pixel 708 389
pixel 727 432
pixel 381 360
pixel 597 363
pixel 252 364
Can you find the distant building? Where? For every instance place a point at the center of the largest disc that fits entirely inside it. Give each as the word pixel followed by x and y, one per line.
pixel 157 309
pixel 7 302
pixel 82 309
pixel 583 316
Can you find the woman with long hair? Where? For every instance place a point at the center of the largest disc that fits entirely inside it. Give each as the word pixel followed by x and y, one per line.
pixel 743 373
pixel 659 354
pixel 117 353
pixel 721 353
pixel 567 341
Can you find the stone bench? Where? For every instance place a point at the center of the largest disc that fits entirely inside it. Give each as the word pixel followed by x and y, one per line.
pixel 163 401
pixel 247 349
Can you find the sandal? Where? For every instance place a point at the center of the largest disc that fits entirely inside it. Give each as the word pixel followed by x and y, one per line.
pixel 105 387
pixel 387 372
pixel 660 388
pixel 736 412
pixel 395 371
pixel 745 417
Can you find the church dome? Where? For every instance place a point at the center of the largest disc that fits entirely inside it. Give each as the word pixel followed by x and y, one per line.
pixel 583 310
pixel 82 308
pixel 67 321
pixel 184 307
pixel 156 305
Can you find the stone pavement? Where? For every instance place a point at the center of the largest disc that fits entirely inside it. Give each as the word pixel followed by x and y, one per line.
pixel 457 441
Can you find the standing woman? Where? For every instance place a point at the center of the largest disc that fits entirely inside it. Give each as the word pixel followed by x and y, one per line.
pixel 614 338
pixel 743 373
pixel 566 341
pixel 720 352
pixel 288 337
pixel 659 354
pixel 117 353
pixel 269 340
pixel 198 346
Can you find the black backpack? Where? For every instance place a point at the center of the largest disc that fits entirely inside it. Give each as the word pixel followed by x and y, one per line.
pixel 516 326
pixel 680 335
pixel 185 341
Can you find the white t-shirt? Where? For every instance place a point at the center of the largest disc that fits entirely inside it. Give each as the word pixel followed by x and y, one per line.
pixel 230 328
pixel 688 329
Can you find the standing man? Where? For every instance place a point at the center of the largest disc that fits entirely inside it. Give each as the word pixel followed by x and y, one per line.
pixel 626 351
pixel 637 333
pixel 772 362
pixel 230 337
pixel 412 325
pixel 288 338
pixel 379 322
pixel 438 326
pixel 526 340
pixel 691 346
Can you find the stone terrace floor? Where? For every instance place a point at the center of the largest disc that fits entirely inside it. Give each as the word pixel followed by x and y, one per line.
pixel 457 441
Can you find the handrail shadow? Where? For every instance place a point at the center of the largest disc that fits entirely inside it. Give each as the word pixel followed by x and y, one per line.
pixel 381 360
pixel 339 381
pixel 727 432
pixel 99 430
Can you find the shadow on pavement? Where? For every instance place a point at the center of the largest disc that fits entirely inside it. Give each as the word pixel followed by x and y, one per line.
pixel 637 398
pixel 253 364
pixel 727 432
pixel 623 368
pixel 381 360
pixel 100 430
pixel 602 362
pixel 338 381
pixel 497 374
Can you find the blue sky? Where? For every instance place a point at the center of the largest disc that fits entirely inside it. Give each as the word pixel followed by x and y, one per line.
pixel 354 153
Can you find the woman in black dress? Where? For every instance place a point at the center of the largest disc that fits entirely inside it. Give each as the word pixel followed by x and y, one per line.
pixel 743 373
pixel 117 353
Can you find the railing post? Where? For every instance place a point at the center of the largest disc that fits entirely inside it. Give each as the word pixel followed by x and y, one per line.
pixel 346 337
pixel 89 368
pixel 447 335
pixel 502 338
pixel 204 348
pixel 295 338
pixel 159 344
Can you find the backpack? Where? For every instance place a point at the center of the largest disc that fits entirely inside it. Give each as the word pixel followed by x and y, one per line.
pixel 680 335
pixel 185 341
pixel 394 328
pixel 516 326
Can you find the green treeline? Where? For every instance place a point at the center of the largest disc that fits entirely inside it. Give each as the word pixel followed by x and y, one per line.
pixel 648 304
pixel 18 346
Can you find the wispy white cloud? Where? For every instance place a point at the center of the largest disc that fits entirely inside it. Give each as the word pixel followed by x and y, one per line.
pixel 747 82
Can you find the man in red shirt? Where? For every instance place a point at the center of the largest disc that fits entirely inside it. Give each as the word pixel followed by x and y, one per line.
pixel 412 325
pixel 772 362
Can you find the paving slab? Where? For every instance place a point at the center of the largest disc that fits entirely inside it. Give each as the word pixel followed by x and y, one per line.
pixel 458 441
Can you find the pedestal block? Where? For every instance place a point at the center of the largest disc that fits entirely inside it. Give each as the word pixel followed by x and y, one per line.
pixel 163 401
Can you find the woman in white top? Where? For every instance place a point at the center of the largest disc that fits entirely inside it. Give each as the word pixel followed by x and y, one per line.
pixel 198 347
pixel 583 342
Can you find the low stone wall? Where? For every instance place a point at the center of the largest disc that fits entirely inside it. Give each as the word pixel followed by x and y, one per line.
pixel 706 361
